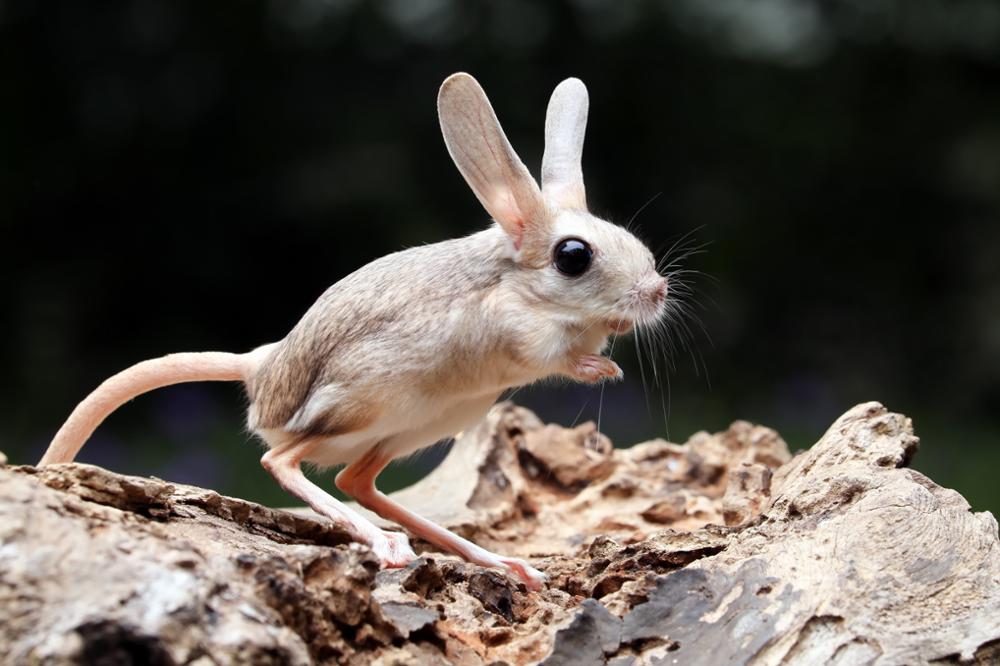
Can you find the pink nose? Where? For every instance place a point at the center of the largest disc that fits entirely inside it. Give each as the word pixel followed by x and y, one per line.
pixel 660 290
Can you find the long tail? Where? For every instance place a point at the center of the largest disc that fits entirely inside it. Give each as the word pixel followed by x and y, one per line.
pixel 140 378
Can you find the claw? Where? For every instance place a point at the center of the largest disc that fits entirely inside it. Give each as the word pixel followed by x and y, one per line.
pixel 592 368
pixel 530 576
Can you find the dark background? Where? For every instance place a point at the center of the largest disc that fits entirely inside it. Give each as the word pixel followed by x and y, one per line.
pixel 191 175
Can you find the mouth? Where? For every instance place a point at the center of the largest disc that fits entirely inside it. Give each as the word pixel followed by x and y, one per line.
pixel 620 325
pixel 644 306
pixel 644 314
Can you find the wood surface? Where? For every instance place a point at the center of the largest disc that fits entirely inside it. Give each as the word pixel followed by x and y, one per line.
pixel 722 550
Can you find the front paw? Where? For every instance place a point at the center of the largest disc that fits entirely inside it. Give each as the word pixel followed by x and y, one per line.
pixel 592 368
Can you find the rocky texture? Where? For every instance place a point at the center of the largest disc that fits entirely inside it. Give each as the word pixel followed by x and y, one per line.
pixel 724 550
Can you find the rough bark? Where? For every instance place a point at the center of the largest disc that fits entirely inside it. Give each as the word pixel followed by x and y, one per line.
pixel 724 550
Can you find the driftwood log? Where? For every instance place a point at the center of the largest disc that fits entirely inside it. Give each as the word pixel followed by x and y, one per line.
pixel 724 550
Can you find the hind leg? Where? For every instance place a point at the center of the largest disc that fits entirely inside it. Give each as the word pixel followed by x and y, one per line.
pixel 284 463
pixel 358 481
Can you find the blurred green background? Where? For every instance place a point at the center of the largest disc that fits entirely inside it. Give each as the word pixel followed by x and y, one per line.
pixel 192 175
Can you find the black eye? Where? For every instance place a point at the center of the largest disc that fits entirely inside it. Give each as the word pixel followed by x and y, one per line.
pixel 572 256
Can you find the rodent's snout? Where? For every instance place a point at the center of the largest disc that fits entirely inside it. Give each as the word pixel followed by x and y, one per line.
pixel 661 290
pixel 655 289
pixel 651 295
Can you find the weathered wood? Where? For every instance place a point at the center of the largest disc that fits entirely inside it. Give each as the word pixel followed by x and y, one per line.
pixel 724 550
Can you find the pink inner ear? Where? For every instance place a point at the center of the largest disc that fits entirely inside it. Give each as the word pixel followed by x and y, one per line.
pixel 507 213
pixel 518 235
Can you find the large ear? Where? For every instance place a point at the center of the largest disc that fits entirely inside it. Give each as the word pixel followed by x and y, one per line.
pixel 482 153
pixel 565 126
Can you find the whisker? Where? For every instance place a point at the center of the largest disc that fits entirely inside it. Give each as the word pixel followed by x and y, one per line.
pixel 641 208
pixel 680 250
pixel 682 273
pixel 665 405
pixel 513 392
pixel 672 336
pixel 651 349
pixel 600 405
pixel 642 371
pixel 577 418
pixel 680 239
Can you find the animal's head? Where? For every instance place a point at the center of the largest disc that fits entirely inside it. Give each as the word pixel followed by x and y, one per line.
pixel 584 267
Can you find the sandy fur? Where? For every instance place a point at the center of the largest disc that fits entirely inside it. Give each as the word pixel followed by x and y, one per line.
pixel 423 340
pixel 399 340
pixel 416 345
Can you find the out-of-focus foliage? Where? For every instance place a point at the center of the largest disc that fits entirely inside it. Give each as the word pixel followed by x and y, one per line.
pixel 191 175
